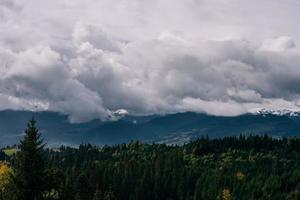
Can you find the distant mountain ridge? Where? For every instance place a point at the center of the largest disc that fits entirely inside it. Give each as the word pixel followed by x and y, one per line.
pixel 175 128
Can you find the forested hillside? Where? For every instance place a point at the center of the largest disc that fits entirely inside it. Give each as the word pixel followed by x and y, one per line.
pixel 234 168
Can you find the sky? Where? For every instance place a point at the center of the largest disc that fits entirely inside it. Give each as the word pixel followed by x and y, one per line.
pixel 88 58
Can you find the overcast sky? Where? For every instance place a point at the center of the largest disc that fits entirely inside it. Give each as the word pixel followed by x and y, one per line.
pixel 88 58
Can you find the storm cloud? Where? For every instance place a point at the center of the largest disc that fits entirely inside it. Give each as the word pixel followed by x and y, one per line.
pixel 90 58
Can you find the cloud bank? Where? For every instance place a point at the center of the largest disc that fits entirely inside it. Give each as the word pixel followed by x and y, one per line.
pixel 90 58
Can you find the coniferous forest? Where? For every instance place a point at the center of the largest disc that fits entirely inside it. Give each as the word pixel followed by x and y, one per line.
pixel 236 168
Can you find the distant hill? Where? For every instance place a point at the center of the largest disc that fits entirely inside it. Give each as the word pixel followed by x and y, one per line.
pixel 171 128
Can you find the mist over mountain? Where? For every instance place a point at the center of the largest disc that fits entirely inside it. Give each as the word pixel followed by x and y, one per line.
pixel 175 128
pixel 103 66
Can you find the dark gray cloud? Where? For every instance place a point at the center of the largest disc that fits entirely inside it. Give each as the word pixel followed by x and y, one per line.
pixel 89 58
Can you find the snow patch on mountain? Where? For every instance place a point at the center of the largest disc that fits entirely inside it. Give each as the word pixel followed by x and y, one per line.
pixel 121 113
pixel 279 112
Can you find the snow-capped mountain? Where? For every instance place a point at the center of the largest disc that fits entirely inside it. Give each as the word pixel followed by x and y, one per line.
pixel 120 113
pixel 279 112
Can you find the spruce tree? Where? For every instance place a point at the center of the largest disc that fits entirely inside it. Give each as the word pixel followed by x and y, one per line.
pixel 98 194
pixel 30 175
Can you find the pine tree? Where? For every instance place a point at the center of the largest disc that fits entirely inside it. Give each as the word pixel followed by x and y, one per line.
pixel 198 190
pixel 83 189
pixel 98 194
pixel 109 195
pixel 30 176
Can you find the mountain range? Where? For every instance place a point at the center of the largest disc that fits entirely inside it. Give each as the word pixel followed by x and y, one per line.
pixel 177 128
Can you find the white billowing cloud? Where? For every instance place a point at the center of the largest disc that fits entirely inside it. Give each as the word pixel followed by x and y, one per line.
pixel 95 36
pixel 38 74
pixel 90 58
pixel 278 44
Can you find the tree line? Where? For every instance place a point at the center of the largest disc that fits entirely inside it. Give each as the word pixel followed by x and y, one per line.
pixel 229 168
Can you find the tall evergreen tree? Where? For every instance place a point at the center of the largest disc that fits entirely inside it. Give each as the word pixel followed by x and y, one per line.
pixel 30 174
pixel 98 194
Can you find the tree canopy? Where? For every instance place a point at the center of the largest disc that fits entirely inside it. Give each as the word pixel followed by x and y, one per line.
pixel 229 168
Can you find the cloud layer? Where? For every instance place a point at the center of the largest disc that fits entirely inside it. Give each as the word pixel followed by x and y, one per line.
pixel 89 58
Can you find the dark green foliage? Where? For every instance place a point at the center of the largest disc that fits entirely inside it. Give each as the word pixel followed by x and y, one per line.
pixel 30 170
pixel 240 168
pixel 32 178
pixel 236 168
